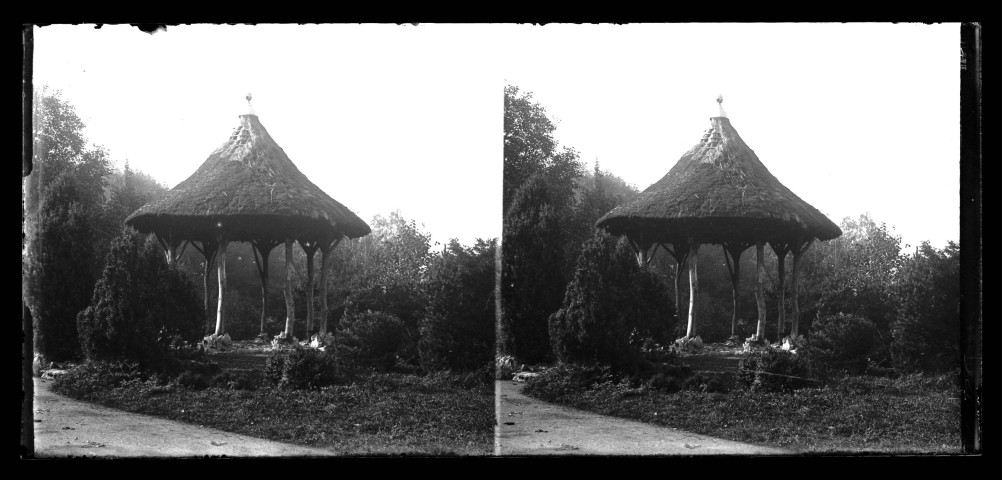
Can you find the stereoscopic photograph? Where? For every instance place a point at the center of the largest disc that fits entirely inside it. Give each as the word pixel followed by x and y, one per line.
pixel 477 240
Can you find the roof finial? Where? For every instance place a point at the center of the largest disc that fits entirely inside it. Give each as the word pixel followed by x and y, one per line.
pixel 250 108
pixel 720 103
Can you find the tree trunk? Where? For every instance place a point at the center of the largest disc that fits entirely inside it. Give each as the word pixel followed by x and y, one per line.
pixel 760 290
pixel 690 330
pixel 290 305
pixel 221 274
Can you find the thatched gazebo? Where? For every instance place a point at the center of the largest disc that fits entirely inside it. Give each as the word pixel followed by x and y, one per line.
pixel 720 193
pixel 248 190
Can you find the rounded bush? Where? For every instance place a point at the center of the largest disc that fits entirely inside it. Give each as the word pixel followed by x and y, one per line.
pixel 375 339
pixel 849 342
pixel 305 369
pixel 775 371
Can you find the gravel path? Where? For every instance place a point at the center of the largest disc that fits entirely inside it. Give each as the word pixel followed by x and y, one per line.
pixel 70 428
pixel 527 426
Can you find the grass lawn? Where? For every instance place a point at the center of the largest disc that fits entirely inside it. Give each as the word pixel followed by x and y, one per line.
pixel 378 414
pixel 849 414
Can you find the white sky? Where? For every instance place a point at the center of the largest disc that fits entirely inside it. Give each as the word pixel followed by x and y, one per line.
pixel 852 118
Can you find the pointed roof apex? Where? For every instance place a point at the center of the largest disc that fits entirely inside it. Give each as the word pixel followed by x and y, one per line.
pixel 250 108
pixel 720 104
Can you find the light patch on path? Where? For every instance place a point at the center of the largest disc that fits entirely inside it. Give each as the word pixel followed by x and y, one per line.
pixel 65 427
pixel 527 426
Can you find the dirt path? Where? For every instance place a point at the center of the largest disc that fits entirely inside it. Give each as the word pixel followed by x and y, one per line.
pixel 527 426
pixel 66 427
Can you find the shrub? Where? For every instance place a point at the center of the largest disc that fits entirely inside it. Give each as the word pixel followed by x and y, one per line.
pixel 925 333
pixel 775 370
pixel 305 369
pixel 848 342
pixel 375 340
pixel 610 299
pixel 97 377
pixel 458 331
pixel 567 379
pixel 141 310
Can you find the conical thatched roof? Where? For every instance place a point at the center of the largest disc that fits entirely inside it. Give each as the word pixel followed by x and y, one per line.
pixel 718 191
pixel 253 191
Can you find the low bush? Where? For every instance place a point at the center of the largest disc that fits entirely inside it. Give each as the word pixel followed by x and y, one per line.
pixel 565 379
pixel 375 340
pixel 848 342
pixel 94 378
pixel 776 371
pixel 305 369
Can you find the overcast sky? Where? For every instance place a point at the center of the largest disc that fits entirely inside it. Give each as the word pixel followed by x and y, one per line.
pixel 852 118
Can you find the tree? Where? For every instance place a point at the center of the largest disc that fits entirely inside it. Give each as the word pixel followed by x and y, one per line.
pixel 532 278
pixel 610 302
pixel 927 297
pixel 528 141
pixel 457 332
pixel 63 206
pixel 140 307
pixel 60 275
pixel 853 274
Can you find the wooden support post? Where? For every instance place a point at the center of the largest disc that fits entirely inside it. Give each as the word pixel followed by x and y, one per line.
pixel 262 250
pixel 760 290
pixel 290 303
pixel 208 251
pixel 310 248
pixel 781 249
pixel 680 252
pixel 690 330
pixel 221 274
pixel 798 252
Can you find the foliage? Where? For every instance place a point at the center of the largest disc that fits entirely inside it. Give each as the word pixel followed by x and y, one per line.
pixel 305 369
pixel 595 193
pixel 925 334
pixel 848 342
pixel 382 414
pixel 532 280
pixel 60 277
pixel 528 140
pixel 140 309
pixel 243 315
pixel 775 371
pixel 609 299
pixel 375 340
pixel 852 274
pixel 865 414
pixel 457 332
